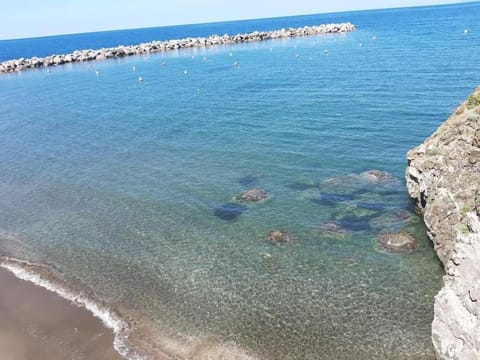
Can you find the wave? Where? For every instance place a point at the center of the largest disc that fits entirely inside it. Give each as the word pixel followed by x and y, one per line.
pixel 31 272
pixel 156 346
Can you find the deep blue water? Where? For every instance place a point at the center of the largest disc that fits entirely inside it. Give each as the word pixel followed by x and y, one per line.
pixel 128 188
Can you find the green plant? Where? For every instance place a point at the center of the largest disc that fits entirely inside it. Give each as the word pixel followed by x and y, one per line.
pixel 473 100
pixel 464 229
pixel 465 209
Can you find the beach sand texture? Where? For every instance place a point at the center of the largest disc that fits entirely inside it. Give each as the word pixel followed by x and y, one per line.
pixel 38 324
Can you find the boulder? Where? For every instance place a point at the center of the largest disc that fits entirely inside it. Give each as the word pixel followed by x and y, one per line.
pixel 332 230
pixel 378 177
pixel 279 237
pixel 252 196
pixel 397 242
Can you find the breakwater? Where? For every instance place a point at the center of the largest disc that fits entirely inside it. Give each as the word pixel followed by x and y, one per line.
pixel 161 46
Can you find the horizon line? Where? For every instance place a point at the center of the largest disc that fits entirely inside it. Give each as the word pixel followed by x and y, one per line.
pixel 233 20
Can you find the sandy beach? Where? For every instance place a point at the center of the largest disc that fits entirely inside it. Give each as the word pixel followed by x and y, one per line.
pixel 37 324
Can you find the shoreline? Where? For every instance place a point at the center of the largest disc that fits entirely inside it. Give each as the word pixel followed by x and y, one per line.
pixel 37 323
pixel 107 336
pixel 21 64
pixel 36 279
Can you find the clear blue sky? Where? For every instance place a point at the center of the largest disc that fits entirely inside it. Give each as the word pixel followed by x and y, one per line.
pixel 29 18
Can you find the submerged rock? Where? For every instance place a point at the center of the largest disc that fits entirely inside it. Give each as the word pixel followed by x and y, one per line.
pixel 394 221
pixel 252 196
pixel 249 180
pixel 351 209
pixel 303 184
pixel 279 237
pixel 397 242
pixel 310 194
pixel 229 211
pixel 378 177
pixel 332 198
pixel 354 218
pixel 343 184
pixel 332 230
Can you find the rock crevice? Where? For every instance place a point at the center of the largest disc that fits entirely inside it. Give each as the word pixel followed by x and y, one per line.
pixel 443 177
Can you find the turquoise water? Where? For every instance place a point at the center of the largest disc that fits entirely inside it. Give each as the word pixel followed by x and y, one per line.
pixel 127 188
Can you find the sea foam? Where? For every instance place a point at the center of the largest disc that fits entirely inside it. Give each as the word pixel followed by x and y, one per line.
pixel 119 327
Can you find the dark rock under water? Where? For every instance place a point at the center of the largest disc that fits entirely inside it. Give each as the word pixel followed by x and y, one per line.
pixel 249 181
pixel 229 211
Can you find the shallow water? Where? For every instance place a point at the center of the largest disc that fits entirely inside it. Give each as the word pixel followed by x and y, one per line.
pixel 128 188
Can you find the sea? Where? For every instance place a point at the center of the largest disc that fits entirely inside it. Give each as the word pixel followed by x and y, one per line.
pixel 125 194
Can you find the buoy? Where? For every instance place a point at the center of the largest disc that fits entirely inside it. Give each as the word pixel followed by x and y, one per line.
pixel 140 79
pixel 235 64
pixel 326 51
pixel 465 31
pixel 164 63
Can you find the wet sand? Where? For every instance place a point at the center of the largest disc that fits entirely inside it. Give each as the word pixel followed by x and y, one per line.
pixel 36 324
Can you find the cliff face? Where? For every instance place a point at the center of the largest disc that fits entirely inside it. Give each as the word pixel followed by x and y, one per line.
pixel 443 176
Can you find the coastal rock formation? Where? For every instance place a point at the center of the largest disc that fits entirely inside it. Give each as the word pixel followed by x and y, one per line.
pixel 443 176
pixel 160 46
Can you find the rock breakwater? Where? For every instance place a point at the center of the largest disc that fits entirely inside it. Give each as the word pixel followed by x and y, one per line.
pixel 162 46
pixel 443 176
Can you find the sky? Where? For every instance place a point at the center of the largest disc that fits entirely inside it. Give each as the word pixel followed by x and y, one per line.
pixel 32 18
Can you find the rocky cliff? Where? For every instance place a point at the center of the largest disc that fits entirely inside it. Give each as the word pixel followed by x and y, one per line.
pixel 443 176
